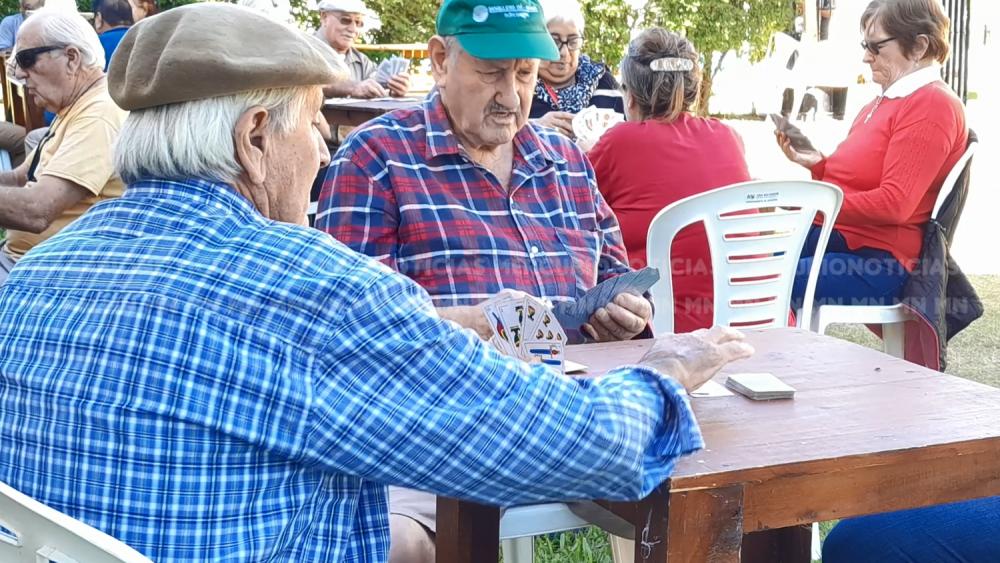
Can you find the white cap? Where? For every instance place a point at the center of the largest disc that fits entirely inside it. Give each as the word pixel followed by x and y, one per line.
pixel 348 6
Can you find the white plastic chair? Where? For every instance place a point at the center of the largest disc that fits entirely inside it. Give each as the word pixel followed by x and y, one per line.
pixel 41 534
pixel 893 318
pixel 756 231
pixel 520 524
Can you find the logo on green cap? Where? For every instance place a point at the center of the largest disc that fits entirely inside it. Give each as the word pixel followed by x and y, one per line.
pixel 480 13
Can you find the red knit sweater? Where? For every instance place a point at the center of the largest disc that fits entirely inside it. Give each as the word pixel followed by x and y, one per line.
pixel 644 166
pixel 892 168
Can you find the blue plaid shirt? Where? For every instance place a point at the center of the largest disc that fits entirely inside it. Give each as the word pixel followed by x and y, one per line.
pixel 206 384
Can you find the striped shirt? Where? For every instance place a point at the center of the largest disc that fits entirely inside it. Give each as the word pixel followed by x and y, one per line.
pixel 208 385
pixel 402 189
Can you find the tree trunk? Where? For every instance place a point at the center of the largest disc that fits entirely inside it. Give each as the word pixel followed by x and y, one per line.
pixel 706 91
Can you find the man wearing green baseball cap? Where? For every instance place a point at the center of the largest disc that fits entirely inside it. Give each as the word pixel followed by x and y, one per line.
pixel 468 198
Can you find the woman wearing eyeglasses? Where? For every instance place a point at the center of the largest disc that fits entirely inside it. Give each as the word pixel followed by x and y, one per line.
pixel 574 82
pixel 894 160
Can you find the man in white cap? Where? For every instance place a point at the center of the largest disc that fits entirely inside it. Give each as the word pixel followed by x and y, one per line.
pixel 341 22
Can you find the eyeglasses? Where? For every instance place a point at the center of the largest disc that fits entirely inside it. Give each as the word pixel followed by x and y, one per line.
pixel 874 46
pixel 26 58
pixel 574 43
pixel 348 20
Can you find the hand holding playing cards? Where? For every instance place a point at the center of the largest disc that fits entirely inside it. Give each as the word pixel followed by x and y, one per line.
pixel 621 319
pixel 693 358
pixel 399 84
pixel 367 89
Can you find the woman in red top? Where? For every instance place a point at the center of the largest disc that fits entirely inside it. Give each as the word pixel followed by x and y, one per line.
pixel 892 163
pixel 663 154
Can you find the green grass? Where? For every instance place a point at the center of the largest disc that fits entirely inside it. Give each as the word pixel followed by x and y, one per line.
pixel 973 354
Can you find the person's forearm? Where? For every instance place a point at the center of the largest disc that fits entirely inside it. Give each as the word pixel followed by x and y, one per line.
pixel 467 411
pixel 468 317
pixel 340 88
pixel 19 210
pixel 9 178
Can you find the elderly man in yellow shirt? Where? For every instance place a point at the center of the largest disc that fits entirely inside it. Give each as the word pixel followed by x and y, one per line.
pixel 60 58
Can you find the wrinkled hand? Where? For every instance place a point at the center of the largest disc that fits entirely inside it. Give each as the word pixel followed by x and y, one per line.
pixel 804 158
pixel 473 316
pixel 693 358
pixel 399 85
pixel 368 89
pixel 624 317
pixel 560 121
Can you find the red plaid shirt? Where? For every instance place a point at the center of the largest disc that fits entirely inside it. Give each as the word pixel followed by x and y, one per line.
pixel 401 189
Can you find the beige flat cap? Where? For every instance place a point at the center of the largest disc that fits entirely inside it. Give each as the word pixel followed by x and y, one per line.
pixel 207 50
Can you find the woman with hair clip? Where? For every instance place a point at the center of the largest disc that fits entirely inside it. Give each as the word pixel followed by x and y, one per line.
pixel 662 154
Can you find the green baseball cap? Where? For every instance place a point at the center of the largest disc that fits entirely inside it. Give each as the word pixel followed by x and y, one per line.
pixel 498 29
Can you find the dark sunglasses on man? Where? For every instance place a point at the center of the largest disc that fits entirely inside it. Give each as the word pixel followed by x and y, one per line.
pixel 26 58
pixel 873 47
pixel 348 20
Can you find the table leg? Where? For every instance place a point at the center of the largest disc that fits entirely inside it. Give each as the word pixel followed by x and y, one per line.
pixel 781 545
pixel 467 532
pixel 705 526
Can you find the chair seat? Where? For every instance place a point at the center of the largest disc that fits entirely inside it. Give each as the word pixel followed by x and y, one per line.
pixel 538 519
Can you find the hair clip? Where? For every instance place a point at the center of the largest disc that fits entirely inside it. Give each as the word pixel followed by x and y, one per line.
pixel 671 64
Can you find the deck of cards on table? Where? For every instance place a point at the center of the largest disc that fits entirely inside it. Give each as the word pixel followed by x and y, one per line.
pixel 526 328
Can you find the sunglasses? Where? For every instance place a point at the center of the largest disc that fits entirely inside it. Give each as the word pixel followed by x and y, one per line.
pixel 26 58
pixel 875 46
pixel 573 43
pixel 348 20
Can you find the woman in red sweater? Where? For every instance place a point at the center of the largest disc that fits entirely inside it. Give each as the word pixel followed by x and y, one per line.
pixel 894 160
pixel 663 154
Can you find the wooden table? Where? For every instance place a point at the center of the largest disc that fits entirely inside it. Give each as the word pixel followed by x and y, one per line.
pixel 866 433
pixel 339 112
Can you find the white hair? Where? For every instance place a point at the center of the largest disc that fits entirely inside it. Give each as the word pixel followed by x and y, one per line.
pixel 567 11
pixel 60 27
pixel 194 140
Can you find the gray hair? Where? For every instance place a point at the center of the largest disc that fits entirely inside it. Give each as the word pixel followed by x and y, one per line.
pixel 60 27
pixel 566 11
pixel 660 94
pixel 195 139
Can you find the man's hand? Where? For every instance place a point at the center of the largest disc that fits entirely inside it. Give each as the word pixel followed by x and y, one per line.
pixel 560 121
pixel 473 316
pixel 399 85
pixel 805 158
pixel 693 358
pixel 626 316
pixel 368 89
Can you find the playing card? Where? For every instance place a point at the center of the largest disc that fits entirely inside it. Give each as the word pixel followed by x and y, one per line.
pixel 546 352
pixel 798 139
pixel 391 67
pixel 501 335
pixel 760 386
pixel 572 314
pixel 711 389
pixel 525 328
pixel 592 122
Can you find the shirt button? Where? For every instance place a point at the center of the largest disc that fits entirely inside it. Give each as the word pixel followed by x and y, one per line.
pixel 534 250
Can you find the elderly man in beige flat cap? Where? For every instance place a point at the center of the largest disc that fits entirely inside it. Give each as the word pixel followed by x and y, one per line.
pixel 191 370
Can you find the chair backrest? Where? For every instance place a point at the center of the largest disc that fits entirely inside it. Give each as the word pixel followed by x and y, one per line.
pixel 954 191
pixel 31 532
pixel 756 231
